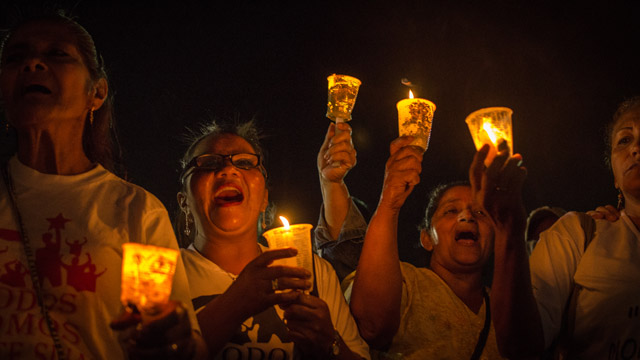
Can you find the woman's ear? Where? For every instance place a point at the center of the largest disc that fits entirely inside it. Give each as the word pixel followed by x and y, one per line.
pixel 426 240
pixel 182 202
pixel 100 92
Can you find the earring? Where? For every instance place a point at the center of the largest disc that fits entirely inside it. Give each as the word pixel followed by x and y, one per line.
pixel 187 230
pixel 91 116
pixel 264 222
pixel 620 199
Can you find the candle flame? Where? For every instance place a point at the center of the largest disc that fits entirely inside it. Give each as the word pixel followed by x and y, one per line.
pixel 489 129
pixel 410 94
pixel 285 222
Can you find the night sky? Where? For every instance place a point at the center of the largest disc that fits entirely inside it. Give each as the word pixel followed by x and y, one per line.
pixel 561 69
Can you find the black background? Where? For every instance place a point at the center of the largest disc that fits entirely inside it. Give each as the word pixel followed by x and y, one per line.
pixel 561 68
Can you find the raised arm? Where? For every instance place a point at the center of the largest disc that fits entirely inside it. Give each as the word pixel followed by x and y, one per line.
pixel 336 157
pixel 377 288
pixel 498 189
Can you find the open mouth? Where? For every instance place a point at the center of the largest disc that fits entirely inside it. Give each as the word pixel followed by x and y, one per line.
pixel 36 89
pixel 466 235
pixel 228 195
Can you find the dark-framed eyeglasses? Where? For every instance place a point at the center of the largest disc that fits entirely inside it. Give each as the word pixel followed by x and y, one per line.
pixel 215 162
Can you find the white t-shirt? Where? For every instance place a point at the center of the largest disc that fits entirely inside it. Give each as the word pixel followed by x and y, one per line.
pixel 265 335
pixel 76 226
pixel 607 322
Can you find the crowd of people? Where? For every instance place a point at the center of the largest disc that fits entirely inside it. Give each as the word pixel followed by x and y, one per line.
pixel 559 285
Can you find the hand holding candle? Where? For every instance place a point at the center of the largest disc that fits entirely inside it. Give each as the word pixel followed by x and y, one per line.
pixel 147 275
pixel 415 117
pixel 491 126
pixel 297 236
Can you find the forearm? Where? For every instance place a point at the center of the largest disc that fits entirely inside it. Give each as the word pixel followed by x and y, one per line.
pixel 377 288
pixel 336 200
pixel 515 313
pixel 218 322
pixel 345 352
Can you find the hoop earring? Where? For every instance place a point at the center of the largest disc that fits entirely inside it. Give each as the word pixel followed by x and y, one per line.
pixel 187 230
pixel 620 199
pixel 91 116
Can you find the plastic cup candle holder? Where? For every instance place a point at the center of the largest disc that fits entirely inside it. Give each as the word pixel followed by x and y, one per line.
pixel 343 90
pixel 415 117
pixel 491 126
pixel 297 236
pixel 147 275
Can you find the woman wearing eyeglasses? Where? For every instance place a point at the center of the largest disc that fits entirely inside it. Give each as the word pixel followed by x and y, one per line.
pixel 247 308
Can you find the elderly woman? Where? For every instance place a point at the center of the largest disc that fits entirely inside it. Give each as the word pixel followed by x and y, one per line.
pixel 248 308
pixel 599 277
pixel 444 312
pixel 57 190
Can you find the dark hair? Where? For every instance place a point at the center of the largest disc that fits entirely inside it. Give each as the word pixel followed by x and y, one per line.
pixel 537 216
pixel 249 132
pixel 624 107
pixel 99 140
pixel 434 199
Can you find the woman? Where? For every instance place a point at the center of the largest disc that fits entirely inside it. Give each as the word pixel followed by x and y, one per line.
pixel 235 290
pixel 56 190
pixel 603 274
pixel 443 312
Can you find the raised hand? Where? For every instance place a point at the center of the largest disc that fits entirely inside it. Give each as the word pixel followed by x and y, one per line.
pixel 498 188
pixel 402 173
pixel 337 155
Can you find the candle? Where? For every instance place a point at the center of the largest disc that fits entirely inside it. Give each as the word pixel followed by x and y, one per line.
pixel 297 236
pixel 147 275
pixel 491 126
pixel 415 117
pixel 343 90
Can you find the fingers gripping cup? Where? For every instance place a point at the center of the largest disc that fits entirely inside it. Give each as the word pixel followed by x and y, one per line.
pixel 297 236
pixel 343 90
pixel 491 126
pixel 147 275
pixel 415 117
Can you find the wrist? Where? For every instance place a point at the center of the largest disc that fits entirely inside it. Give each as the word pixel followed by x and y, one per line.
pixel 334 348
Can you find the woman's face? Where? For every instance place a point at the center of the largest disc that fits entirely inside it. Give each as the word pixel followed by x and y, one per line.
pixel 227 201
pixel 625 152
pixel 43 77
pixel 461 236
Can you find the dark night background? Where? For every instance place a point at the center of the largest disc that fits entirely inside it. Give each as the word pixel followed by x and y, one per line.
pixel 561 68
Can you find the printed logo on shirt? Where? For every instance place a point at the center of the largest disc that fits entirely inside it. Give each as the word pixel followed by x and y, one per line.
pixel 60 262
pixel 262 337
pixel 628 348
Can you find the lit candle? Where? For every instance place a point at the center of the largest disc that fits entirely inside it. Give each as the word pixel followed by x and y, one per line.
pixel 297 236
pixel 415 117
pixel 491 126
pixel 343 90
pixel 147 275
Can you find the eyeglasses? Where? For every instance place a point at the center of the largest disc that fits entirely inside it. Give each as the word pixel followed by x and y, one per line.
pixel 215 162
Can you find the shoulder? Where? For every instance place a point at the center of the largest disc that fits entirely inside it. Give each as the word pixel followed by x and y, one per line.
pixel 323 268
pixel 412 272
